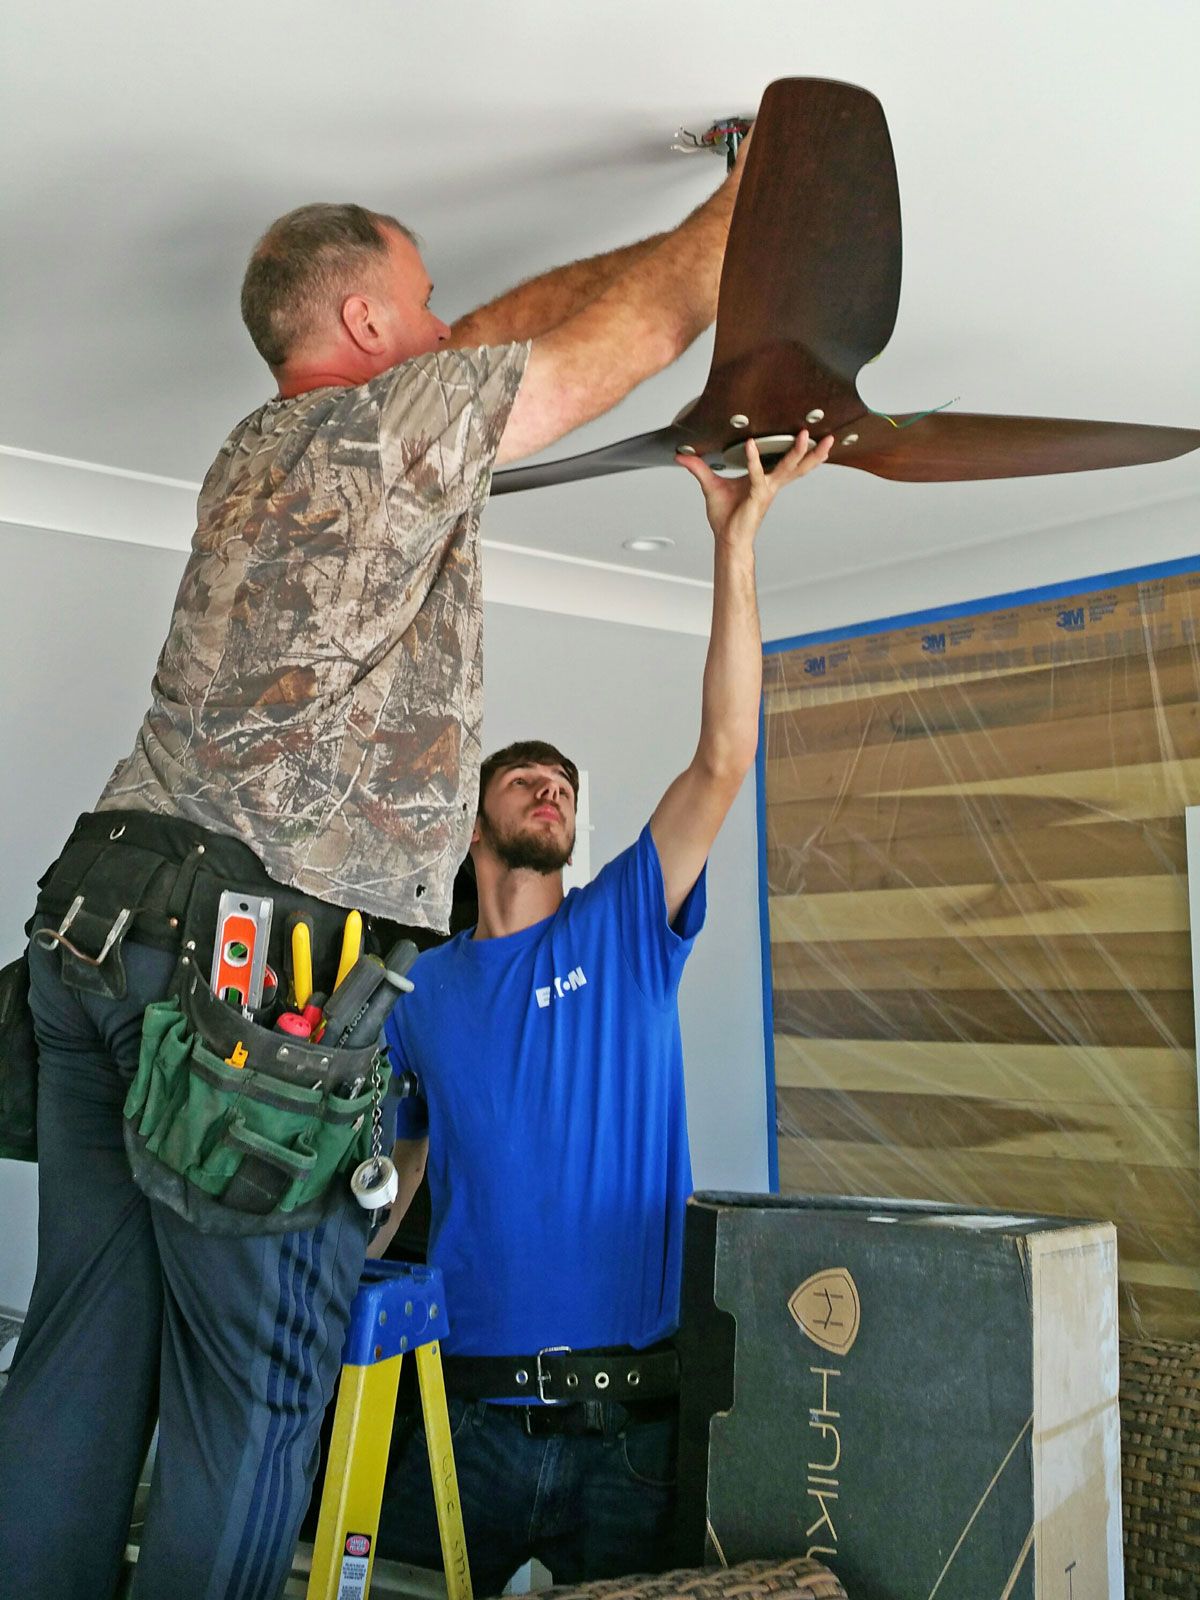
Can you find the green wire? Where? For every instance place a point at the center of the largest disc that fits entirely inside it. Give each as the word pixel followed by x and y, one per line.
pixel 920 416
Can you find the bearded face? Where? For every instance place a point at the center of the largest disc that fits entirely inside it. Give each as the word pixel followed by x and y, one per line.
pixel 530 844
pixel 528 819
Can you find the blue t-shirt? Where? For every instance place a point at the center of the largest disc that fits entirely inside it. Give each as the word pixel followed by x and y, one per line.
pixel 551 1086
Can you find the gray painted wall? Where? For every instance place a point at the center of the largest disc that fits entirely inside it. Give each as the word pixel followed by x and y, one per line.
pixel 84 621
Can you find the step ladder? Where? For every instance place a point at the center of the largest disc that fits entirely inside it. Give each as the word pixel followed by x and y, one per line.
pixel 399 1308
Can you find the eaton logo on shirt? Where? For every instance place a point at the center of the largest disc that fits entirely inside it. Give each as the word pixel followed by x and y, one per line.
pixel 562 986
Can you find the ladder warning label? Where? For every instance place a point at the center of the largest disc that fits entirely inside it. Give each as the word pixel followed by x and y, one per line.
pixel 356 1563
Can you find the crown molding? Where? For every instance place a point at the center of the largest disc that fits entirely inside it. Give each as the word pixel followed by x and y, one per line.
pixel 99 502
pixel 64 495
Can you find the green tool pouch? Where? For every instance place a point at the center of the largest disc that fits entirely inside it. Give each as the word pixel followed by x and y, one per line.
pixel 18 1065
pixel 240 1129
pixel 237 1128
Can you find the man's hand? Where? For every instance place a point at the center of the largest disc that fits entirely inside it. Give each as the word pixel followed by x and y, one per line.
pixel 736 506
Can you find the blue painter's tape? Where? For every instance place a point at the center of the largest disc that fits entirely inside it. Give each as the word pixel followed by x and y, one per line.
pixel 967 608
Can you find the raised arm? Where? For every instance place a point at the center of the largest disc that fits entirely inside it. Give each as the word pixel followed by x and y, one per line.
pixel 643 318
pixel 542 303
pixel 690 814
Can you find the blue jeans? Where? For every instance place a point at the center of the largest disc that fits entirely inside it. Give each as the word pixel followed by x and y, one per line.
pixel 233 1343
pixel 594 1505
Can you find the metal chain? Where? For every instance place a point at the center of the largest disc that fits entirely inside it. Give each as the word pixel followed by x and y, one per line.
pixel 376 1111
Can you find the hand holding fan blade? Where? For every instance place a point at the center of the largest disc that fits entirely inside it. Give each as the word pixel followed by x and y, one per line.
pixel 809 292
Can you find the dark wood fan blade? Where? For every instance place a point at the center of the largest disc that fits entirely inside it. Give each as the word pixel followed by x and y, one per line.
pixel 813 256
pixel 811 280
pixel 809 294
pixel 627 455
pixel 955 445
pixel 809 288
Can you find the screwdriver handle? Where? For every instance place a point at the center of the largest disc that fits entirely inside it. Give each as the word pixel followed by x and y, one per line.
pixel 300 947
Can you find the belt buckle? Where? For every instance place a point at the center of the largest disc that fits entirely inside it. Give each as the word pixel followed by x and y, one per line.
pixel 542 1377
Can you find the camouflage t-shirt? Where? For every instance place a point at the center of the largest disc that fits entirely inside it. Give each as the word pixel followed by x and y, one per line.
pixel 319 694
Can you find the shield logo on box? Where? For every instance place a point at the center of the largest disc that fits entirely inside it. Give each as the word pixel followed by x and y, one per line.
pixel 826 1307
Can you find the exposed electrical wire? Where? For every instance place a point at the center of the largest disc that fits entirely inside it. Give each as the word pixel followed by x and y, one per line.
pixel 919 417
pixel 722 138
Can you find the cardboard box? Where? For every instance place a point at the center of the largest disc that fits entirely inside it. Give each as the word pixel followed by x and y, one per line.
pixel 922 1396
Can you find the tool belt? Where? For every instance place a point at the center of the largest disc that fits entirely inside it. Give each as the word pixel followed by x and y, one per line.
pixel 238 1128
pixel 159 881
pixel 557 1376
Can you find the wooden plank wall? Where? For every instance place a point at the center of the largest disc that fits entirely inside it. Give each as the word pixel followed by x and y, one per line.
pixel 977 886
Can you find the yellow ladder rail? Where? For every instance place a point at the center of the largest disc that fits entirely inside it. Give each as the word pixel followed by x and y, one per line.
pixel 398 1308
pixel 441 1466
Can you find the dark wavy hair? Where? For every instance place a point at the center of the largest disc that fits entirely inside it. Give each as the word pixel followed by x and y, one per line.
pixel 521 754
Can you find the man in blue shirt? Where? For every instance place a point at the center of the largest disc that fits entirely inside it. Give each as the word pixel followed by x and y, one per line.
pixel 550 1110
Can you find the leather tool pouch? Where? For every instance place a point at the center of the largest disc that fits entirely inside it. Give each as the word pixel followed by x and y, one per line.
pixel 18 1065
pixel 91 896
pixel 240 1129
pixel 117 873
pixel 94 964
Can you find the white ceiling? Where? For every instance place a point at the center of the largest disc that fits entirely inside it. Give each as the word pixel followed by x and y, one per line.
pixel 1047 153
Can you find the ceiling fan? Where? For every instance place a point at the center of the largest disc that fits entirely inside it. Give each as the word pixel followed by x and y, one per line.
pixel 809 292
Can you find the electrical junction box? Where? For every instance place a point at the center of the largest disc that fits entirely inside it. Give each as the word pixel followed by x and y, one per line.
pixel 922 1396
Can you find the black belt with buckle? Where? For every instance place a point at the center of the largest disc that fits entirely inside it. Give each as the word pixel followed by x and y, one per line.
pixel 559 1375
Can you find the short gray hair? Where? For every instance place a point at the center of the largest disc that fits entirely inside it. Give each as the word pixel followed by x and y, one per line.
pixel 302 269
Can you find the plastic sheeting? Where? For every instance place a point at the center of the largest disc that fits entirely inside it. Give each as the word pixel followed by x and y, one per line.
pixel 977 897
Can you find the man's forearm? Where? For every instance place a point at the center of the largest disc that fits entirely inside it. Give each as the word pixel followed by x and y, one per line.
pixel 689 816
pixel 643 320
pixel 542 303
pixel 733 666
pixel 408 1156
pixel 676 283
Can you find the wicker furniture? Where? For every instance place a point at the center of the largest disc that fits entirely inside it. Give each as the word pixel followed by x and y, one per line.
pixel 795 1579
pixel 1160 1468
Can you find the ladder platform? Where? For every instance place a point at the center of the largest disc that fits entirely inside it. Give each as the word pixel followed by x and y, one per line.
pixel 398 1307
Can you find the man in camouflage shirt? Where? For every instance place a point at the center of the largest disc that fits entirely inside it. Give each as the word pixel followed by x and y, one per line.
pixel 319 693
pixel 318 700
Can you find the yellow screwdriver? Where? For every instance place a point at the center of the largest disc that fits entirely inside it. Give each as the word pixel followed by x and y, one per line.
pixel 302 963
pixel 352 935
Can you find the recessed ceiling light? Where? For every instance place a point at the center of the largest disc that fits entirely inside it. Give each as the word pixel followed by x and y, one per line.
pixel 648 544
